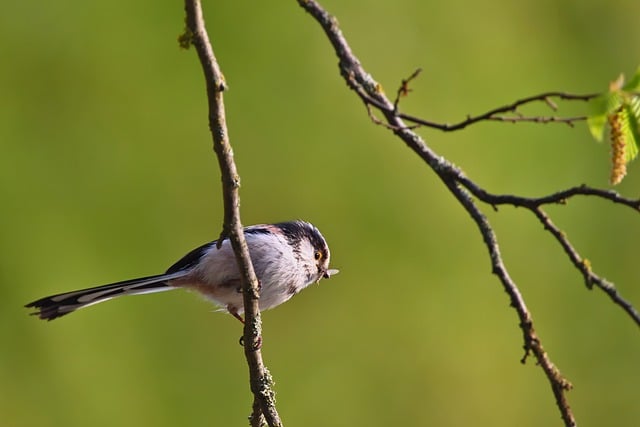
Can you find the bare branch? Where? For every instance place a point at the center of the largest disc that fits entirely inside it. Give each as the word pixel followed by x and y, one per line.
pixel 260 379
pixel 584 266
pixel 570 121
pixel 560 197
pixel 496 113
pixel 463 188
pixel 532 343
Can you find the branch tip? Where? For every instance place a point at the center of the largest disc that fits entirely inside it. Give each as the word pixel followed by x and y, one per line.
pixel 404 89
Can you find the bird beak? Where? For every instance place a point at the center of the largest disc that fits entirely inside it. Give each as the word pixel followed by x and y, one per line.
pixel 327 274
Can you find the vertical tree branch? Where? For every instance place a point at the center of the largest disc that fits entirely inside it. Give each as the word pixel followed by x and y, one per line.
pixel 259 377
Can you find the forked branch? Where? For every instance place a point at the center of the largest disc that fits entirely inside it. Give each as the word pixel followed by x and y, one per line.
pixel 465 190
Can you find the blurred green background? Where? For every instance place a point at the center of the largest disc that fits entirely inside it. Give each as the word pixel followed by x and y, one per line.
pixel 107 173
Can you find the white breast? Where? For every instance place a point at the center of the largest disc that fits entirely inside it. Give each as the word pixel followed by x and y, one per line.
pixel 277 267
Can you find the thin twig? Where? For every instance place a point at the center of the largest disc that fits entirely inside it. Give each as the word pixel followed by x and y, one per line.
pixel 495 114
pixel 569 121
pixel 260 380
pixel 559 197
pixel 404 89
pixel 584 266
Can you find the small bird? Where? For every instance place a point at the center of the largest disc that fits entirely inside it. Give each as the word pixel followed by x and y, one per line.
pixel 287 257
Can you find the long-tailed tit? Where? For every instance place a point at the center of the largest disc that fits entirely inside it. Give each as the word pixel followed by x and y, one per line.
pixel 287 257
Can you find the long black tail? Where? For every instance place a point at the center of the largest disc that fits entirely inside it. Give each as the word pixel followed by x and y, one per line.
pixel 55 306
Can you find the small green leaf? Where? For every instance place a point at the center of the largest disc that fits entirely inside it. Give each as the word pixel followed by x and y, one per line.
pixel 613 101
pixel 634 105
pixel 633 85
pixel 596 126
pixel 629 127
pixel 601 107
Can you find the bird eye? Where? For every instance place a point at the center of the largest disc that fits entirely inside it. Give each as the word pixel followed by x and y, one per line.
pixel 317 255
